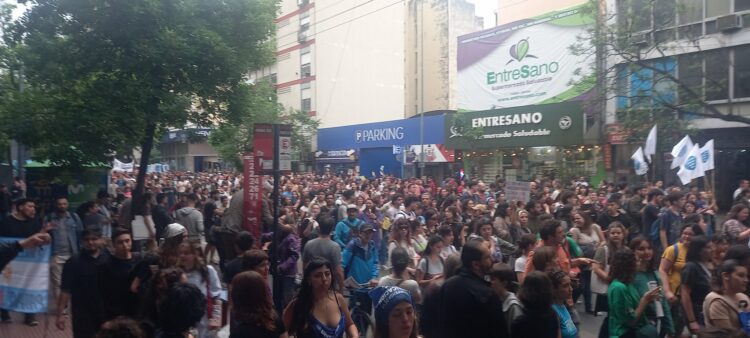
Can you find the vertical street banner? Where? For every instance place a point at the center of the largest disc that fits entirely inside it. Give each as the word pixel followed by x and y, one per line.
pixel 252 197
pixel 24 282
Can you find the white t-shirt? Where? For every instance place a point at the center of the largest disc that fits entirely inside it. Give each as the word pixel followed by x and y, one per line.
pixel 435 267
pixel 521 263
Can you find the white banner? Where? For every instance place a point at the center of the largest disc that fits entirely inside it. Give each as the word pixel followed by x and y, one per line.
pixel 650 148
pixel 526 62
pixel 517 191
pixel 120 166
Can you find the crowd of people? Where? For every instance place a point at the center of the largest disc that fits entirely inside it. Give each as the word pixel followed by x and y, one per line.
pixel 429 258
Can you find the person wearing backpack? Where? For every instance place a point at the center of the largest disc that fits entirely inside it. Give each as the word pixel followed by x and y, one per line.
pixel 347 228
pixel 650 213
pixel 670 220
pixel 430 267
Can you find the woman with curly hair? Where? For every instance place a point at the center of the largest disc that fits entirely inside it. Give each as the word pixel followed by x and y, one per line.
pixel 627 307
pixel 253 309
pixel 401 237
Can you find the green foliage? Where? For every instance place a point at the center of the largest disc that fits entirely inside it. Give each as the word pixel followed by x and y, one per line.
pixel 106 75
pixel 258 104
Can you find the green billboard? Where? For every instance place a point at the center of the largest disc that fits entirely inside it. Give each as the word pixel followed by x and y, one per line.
pixel 557 124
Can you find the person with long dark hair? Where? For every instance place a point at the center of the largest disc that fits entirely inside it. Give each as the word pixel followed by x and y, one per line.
pixel 627 307
pixel 645 279
pixel 430 267
pixel 670 268
pixel 696 280
pixel 253 310
pixel 722 306
pixel 562 291
pixel 318 311
pixel 538 318
pixel 736 225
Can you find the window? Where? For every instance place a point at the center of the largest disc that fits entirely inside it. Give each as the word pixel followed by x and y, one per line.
pixel 690 73
pixel 689 11
pixel 741 5
pixel 742 71
pixel 304 18
pixel 272 78
pixel 718 8
pixel 717 75
pixel 664 13
pixel 306 105
pixel 641 86
pixel 664 86
pixel 621 87
pixel 641 14
pixel 305 70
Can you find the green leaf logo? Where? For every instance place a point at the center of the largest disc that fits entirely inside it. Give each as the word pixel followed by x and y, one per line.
pixel 519 51
pixel 522 49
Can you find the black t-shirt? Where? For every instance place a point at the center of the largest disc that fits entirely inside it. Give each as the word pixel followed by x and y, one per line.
pixel 14 227
pixel 650 214
pixel 535 325
pixel 114 277
pixel 79 279
pixel 244 330
pixel 231 269
pixel 695 276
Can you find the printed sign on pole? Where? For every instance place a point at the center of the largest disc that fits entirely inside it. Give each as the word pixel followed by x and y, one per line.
pixel 517 191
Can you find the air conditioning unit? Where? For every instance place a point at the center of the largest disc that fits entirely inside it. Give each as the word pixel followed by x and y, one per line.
pixel 302 36
pixel 301 3
pixel 729 23
pixel 641 40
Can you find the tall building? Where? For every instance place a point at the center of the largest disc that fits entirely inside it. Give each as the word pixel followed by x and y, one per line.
pixel 342 61
pixel 704 44
pixel 432 29
pixel 514 10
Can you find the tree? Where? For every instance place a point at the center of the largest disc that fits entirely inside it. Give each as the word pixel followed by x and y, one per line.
pixel 653 71
pixel 101 75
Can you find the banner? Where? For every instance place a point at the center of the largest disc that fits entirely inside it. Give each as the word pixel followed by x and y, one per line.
pixel 692 166
pixel 433 153
pixel 120 166
pixel 517 191
pixel 650 148
pixel 24 282
pixel 559 124
pixel 707 155
pixel 680 151
pixel 639 163
pixel 525 62
pixel 252 197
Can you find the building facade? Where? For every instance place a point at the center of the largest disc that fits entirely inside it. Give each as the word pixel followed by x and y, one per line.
pixel 188 150
pixel 513 10
pixel 703 44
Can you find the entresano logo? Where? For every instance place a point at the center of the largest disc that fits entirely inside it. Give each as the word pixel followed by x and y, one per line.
pixel 519 52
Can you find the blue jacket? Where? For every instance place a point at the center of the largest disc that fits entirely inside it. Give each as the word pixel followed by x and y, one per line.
pixel 72 224
pixel 359 263
pixel 342 234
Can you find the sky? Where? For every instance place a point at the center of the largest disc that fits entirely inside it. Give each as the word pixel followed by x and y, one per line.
pixel 486 9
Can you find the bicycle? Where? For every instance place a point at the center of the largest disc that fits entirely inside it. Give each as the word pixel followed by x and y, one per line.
pixel 360 307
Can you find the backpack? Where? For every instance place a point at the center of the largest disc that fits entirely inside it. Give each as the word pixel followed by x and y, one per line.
pixel 655 228
pixel 427 275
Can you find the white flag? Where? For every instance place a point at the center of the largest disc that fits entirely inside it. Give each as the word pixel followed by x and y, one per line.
pixel 650 148
pixel 639 163
pixel 692 167
pixel 680 151
pixel 707 155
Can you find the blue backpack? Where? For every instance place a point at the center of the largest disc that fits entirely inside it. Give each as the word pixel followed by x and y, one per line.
pixel 655 227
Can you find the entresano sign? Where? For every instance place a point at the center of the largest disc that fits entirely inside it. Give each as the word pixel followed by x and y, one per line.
pixel 558 124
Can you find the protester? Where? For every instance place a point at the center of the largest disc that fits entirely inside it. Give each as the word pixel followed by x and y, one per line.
pixel 430 267
pixel 395 316
pixel 317 310
pixel 325 247
pixel 503 282
pixel 626 306
pixel 538 318
pixel 205 278
pixel 469 305
pixel 723 305
pixel 562 291
pixel 646 278
pixel 696 280
pixel 114 277
pixel 400 277
pixel 253 310
pixel 360 258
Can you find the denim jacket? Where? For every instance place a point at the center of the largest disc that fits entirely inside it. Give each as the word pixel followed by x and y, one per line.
pixel 73 226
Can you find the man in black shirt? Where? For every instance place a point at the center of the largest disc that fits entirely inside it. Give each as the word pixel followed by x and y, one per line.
pixel 613 214
pixel 160 215
pixel 469 306
pixel 115 275
pixel 651 210
pixel 79 286
pixel 21 223
pixel 242 243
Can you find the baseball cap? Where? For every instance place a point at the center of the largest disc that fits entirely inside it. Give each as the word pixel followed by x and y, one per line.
pixel 351 207
pixel 366 227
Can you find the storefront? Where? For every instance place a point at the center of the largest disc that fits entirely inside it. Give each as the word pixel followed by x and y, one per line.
pixel 335 161
pixel 524 143
pixel 388 148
